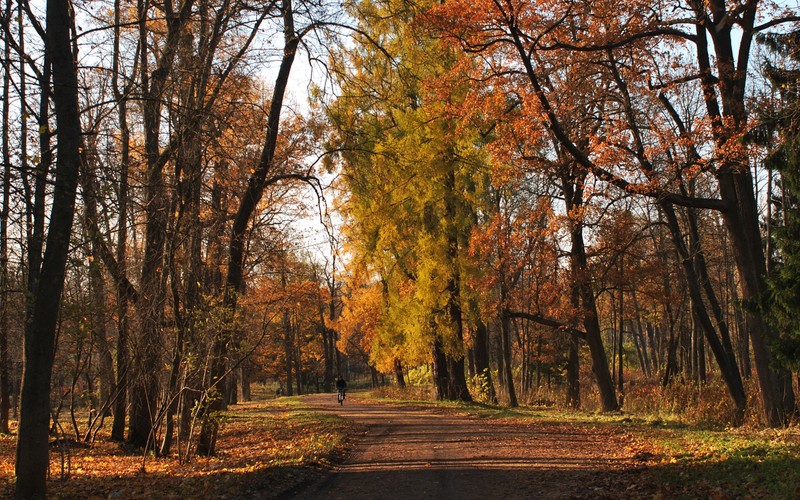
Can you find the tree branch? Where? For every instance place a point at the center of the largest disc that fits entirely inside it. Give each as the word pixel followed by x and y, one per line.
pixel 548 322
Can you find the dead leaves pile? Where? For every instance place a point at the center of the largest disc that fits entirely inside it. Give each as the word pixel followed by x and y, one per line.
pixel 264 450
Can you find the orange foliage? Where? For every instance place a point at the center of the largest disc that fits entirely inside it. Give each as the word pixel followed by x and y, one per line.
pixel 263 453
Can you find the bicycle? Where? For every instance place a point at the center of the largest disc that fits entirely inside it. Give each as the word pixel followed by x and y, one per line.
pixel 340 396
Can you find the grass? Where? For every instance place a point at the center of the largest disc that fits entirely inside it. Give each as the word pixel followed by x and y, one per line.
pixel 736 463
pixel 685 458
pixel 264 448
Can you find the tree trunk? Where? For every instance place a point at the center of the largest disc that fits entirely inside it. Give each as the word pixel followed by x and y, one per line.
pixel 641 339
pixel 32 444
pixel 248 204
pixel 573 371
pixel 5 382
pixel 728 368
pixel 146 383
pixel 573 195
pixel 621 345
pixel 398 374
pixel 741 215
pixel 481 351
pixel 505 338
pixel 440 373
pixel 121 382
pixel 245 378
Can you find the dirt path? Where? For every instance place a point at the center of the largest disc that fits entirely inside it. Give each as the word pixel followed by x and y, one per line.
pixel 410 453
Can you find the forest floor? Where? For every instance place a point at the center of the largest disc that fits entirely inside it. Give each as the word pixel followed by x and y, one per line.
pixel 310 447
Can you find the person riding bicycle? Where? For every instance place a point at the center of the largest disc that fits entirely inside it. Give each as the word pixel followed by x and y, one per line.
pixel 341 385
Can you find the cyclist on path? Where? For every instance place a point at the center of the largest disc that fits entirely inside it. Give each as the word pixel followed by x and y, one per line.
pixel 341 386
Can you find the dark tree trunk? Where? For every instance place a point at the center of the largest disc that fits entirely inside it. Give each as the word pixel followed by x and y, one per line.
pixel 456 360
pixel 481 351
pixel 288 352
pixel 248 204
pixel 440 374
pixel 573 195
pixel 32 444
pixel 121 382
pixel 641 339
pixel 621 344
pixel 245 375
pixel 728 368
pixel 741 215
pixel 573 370
pixel 5 382
pixel 398 374
pixel 505 337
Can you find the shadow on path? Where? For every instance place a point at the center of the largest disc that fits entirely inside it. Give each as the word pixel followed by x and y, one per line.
pixel 414 453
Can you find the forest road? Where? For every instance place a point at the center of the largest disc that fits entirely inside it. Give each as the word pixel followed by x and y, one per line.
pixel 415 453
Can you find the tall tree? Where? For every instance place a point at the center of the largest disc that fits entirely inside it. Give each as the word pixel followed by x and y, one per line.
pixel 782 306
pixel 5 383
pixel 264 174
pixel 40 331
pixel 153 79
pixel 405 166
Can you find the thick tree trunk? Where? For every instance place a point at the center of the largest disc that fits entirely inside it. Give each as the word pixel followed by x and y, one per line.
pixel 5 382
pixel 398 374
pixel 32 444
pixel 481 351
pixel 573 195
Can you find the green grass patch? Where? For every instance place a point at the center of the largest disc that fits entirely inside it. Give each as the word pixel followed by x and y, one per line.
pixel 685 460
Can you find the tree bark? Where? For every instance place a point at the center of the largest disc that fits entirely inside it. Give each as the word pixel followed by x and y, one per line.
pixel 573 196
pixel 32 444
pixel 5 383
pixel 728 368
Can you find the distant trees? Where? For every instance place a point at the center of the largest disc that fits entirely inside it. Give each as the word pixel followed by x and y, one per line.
pixel 636 115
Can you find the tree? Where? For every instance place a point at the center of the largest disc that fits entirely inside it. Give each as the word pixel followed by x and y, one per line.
pixel 32 445
pixel 781 304
pixel 532 42
pixel 5 383
pixel 406 168
pixel 264 174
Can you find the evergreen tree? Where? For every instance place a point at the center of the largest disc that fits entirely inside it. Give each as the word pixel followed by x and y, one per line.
pixel 784 300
